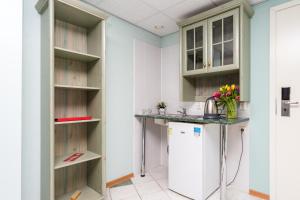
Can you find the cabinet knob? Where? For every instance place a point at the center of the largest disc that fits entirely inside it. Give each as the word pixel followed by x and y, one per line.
pixel 208 63
pixel 204 65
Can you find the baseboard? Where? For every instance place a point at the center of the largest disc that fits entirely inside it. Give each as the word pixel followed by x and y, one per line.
pixel 119 180
pixel 259 195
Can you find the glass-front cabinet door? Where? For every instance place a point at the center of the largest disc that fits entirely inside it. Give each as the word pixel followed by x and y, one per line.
pixel 223 42
pixel 195 49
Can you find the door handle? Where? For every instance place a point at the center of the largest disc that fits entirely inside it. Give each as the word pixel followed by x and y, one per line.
pixel 291 102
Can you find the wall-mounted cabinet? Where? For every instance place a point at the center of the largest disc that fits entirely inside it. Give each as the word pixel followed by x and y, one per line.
pixel 195 48
pixel 215 50
pixel 73 85
pixel 223 43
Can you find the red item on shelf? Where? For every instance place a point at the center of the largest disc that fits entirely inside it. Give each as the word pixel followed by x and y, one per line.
pixel 67 119
pixel 73 157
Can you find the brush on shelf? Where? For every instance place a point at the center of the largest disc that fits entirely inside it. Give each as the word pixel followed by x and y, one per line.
pixel 67 119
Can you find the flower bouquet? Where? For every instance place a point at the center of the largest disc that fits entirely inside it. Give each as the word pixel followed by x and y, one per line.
pixel 228 96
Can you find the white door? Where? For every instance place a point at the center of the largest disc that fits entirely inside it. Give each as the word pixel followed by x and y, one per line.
pixel 285 73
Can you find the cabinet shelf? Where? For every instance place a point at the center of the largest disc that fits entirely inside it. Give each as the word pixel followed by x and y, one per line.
pixel 77 122
pixel 87 193
pixel 74 55
pixel 72 87
pixel 87 156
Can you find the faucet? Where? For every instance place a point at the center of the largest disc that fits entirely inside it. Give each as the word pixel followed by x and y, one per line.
pixel 183 112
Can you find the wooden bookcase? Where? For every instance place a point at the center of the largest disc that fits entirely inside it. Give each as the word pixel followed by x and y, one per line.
pixel 73 84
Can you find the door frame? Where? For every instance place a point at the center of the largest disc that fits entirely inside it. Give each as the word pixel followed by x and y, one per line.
pixel 272 95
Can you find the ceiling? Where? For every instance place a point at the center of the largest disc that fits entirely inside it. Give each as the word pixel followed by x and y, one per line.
pixel 157 16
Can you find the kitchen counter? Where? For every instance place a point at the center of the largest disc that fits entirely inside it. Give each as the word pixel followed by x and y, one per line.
pixel 193 119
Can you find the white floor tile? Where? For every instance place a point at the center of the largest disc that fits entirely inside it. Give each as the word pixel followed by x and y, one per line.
pixel 138 179
pixel 156 196
pixel 147 188
pixel 163 183
pixel 234 194
pixel 159 172
pixel 174 196
pixel 127 192
pixel 132 198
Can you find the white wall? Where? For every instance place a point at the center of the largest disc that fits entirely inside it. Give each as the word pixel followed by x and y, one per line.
pixel 31 103
pixel 147 92
pixel 170 77
pixel 10 101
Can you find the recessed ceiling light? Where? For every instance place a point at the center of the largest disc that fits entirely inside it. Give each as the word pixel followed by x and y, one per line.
pixel 159 27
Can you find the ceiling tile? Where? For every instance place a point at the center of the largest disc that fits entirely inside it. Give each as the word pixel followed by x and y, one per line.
pixel 149 13
pixel 162 4
pixel 130 10
pixel 110 6
pixel 169 24
pixel 134 10
pixel 188 8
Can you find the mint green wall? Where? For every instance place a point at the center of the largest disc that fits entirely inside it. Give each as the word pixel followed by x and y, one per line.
pixel 259 139
pixel 120 36
pixel 31 103
pixel 170 40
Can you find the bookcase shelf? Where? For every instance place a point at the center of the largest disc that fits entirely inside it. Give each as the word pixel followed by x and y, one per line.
pixel 72 87
pixel 74 55
pixel 87 193
pixel 87 156
pixel 78 121
pixel 73 84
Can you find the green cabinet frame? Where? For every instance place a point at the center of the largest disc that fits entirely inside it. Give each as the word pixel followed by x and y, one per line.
pixel 198 84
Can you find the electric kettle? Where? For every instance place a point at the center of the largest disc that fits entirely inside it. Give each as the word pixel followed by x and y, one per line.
pixel 211 109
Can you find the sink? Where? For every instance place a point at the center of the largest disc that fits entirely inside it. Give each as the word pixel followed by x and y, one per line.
pixel 184 116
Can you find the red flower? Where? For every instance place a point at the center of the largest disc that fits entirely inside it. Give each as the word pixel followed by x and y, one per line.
pixel 217 95
pixel 228 94
pixel 237 98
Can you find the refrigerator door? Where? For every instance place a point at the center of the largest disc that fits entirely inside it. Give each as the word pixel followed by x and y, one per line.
pixel 185 159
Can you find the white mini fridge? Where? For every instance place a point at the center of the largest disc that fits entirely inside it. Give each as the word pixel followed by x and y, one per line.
pixel 194 160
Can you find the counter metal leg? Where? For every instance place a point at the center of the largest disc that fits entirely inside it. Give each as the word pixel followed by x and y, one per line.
pixel 143 147
pixel 223 169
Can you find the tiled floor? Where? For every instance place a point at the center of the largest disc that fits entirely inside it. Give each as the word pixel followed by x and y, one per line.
pixel 154 187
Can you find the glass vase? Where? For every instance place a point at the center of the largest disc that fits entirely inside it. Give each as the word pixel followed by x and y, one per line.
pixel 162 111
pixel 231 106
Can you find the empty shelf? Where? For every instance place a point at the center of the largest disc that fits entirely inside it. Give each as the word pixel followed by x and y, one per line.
pixel 87 156
pixel 74 55
pixel 71 87
pixel 87 193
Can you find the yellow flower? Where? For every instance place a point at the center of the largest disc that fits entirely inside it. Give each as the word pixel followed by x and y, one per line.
pixel 232 86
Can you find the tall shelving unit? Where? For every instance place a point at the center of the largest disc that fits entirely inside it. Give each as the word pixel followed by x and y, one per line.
pixel 73 84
